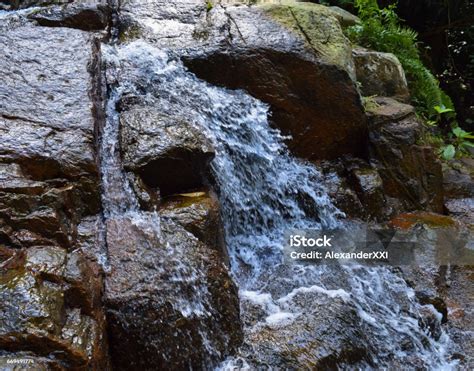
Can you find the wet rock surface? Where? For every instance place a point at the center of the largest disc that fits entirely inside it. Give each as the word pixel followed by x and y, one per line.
pixel 458 182
pixel 170 302
pixel 198 213
pixel 49 180
pixel 446 287
pixel 48 310
pixel 324 338
pixel 304 75
pixel 154 144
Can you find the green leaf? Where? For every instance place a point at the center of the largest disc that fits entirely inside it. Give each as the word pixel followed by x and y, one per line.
pixel 442 109
pixel 468 144
pixel 460 133
pixel 448 152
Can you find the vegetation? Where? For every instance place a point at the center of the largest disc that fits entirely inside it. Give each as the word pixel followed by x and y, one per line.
pixel 380 29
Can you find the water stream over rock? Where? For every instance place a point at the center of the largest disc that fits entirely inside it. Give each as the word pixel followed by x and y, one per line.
pixel 292 315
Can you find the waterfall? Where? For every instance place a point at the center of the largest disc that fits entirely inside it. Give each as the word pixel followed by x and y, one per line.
pixel 264 191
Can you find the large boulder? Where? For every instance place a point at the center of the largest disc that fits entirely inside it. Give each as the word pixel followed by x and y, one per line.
pixel 169 299
pixel 166 152
pixel 293 57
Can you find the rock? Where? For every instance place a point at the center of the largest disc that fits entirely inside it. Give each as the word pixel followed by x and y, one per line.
pixel 165 151
pixel 424 298
pixel 380 74
pixel 305 76
pixel 199 214
pixel 35 299
pixel 369 187
pixel 458 183
pixel 462 209
pixel 292 341
pixel 91 240
pixel 410 173
pixel 170 302
pixel 148 198
pixel 343 196
pixel 23 4
pixel 50 114
pixel 357 189
pixel 458 179
pixel 447 287
pixel 84 16
pixel 49 111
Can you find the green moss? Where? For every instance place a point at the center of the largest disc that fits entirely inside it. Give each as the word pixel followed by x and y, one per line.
pixel 318 26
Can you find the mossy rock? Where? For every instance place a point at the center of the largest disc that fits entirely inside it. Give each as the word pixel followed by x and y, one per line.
pixel 320 27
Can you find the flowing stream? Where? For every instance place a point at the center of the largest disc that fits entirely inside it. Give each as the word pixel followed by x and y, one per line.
pixel 264 191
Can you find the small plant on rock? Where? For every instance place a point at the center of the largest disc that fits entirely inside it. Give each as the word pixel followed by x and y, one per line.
pixel 459 146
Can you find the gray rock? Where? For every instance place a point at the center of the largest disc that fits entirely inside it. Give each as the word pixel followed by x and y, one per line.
pixel 458 178
pixel 461 208
pixel 369 186
pixel 50 112
pixel 324 337
pixel 167 152
pixel 84 16
pixel 380 74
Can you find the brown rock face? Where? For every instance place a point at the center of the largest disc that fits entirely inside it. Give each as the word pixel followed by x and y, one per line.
pixel 410 173
pixel 307 82
pixel 48 309
pixel 50 113
pixel 167 297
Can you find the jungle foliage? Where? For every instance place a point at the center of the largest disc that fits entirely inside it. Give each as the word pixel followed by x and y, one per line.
pixel 381 29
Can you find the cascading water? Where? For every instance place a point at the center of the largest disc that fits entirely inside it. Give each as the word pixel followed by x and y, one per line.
pixel 264 191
